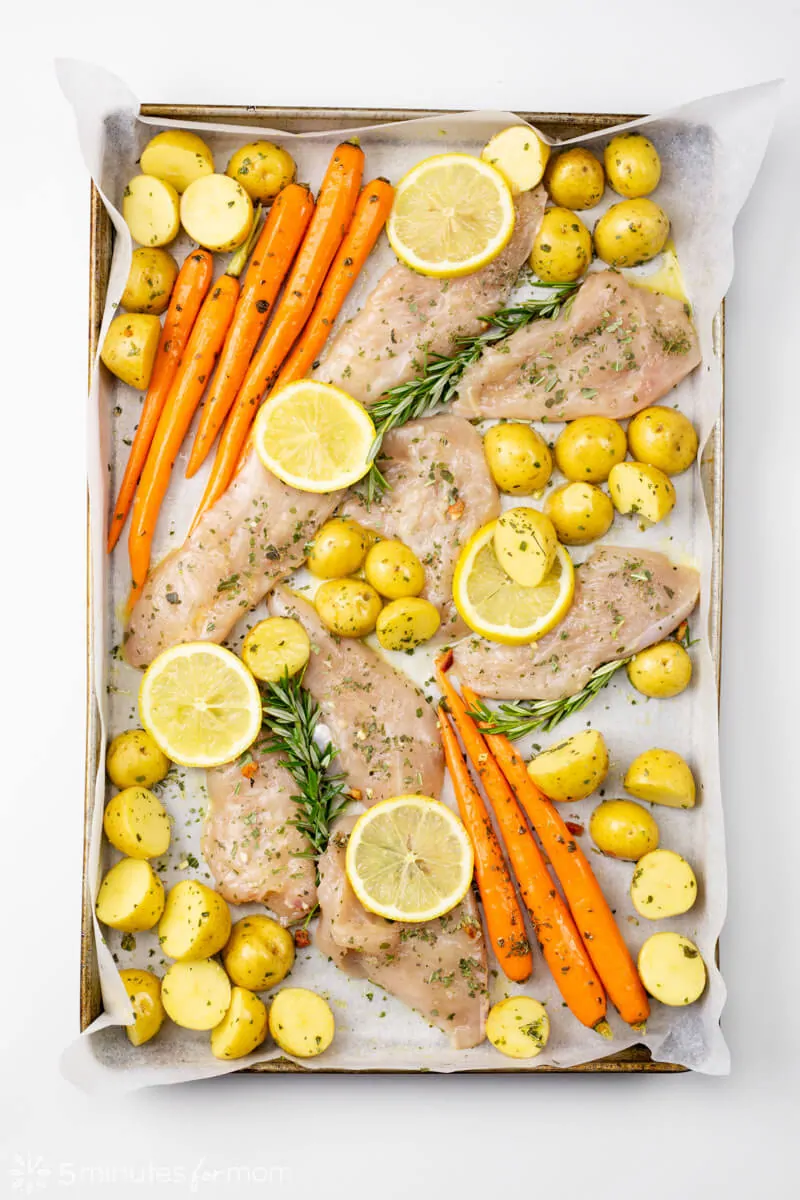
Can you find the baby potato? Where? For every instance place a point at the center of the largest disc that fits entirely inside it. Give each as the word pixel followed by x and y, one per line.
pixel 672 969
pixel 637 488
pixel 136 822
pixel 150 281
pixel 301 1022
pixel 131 896
pixel 623 829
pixel 262 169
pixel 349 607
pixel 242 1029
pixel 519 458
pixel 631 232
pixel 562 249
pixel 394 570
pixel 144 990
pixel 276 647
pixel 632 165
pixel 405 623
pixel 663 438
pixel 196 922
pixel 518 1027
pixel 339 549
pixel 661 777
pixel 525 543
pixel 216 212
pixel 661 671
pixel 134 758
pixel 151 209
pixel 519 155
pixel 663 885
pixel 572 769
pixel 129 348
pixel 178 157
pixel 580 513
pixel 575 179
pixel 259 953
pixel 589 447
pixel 196 995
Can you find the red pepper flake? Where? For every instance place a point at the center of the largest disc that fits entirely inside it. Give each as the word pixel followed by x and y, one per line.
pixel 250 770
pixel 302 938
pixel 575 829
pixel 455 511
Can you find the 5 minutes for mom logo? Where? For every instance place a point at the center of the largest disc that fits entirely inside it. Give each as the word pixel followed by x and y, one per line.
pixel 29 1174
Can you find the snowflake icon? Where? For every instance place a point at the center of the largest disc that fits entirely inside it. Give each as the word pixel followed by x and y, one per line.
pixel 29 1173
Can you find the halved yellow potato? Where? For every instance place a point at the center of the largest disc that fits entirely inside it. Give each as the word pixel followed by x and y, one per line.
pixel 664 438
pixel 525 543
pixel 144 990
pixel 131 896
pixel 639 488
pixel 301 1022
pixel 405 624
pixel 661 671
pixel 262 169
pixel 572 769
pixel 275 647
pixel 663 885
pixel 151 209
pixel 150 281
pixel 518 1027
pixel 196 922
pixel 623 829
pixel 130 346
pixel 136 822
pixel 134 758
pixel 178 157
pixel 242 1029
pixel 661 777
pixel 519 155
pixel 672 969
pixel 216 212
pixel 259 953
pixel 196 995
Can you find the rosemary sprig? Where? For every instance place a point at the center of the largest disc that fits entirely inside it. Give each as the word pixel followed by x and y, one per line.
pixel 438 381
pixel 291 717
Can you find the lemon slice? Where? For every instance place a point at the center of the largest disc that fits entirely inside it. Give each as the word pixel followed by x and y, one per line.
pixel 200 704
pixel 409 859
pixel 451 215
pixel 500 609
pixel 314 437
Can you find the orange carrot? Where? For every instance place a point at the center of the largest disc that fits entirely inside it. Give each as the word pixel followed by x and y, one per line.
pixel 194 279
pixel 187 388
pixel 505 923
pixel 593 917
pixel 369 218
pixel 335 204
pixel 276 247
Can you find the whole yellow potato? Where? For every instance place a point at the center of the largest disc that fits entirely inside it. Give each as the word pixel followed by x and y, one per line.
pixel 151 208
pixel 259 953
pixel 394 570
pixel 562 249
pixel 144 991
pixel 661 671
pixel 150 281
pixel 301 1022
pixel 196 922
pixel 136 822
pixel 519 155
pixel 572 769
pixel 575 179
pixel 519 458
pixel 262 169
pixel 663 438
pixel 525 543
pixel 242 1029
pixel 178 157
pixel 672 969
pixel 216 212
pixel 196 995
pixel 580 513
pixel 339 549
pixel 623 829
pixel 276 647
pixel 406 623
pixel 637 488
pixel 518 1026
pixel 589 447
pixel 131 896
pixel 632 165
pixel 134 758
pixel 663 885
pixel 661 777
pixel 631 232
pixel 349 607
pixel 129 348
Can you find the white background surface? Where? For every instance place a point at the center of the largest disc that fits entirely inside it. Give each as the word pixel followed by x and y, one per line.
pixel 657 1136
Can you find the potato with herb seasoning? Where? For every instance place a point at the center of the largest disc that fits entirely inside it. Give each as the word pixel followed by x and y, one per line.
pixel 661 777
pixel 301 1022
pixel 339 549
pixel 630 233
pixel 575 179
pixel 519 458
pixel 632 165
pixel 178 157
pixel 661 671
pixel 562 249
pixel 663 885
pixel 572 769
pixel 348 607
pixel 216 212
pixel 580 513
pixel 131 896
pixel 196 995
pixel 150 281
pixel 642 490
pixel 672 969
pixel 151 209
pixel 196 922
pixel 275 647
pixel 259 953
pixel 242 1029
pixel 663 438
pixel 130 346
pixel 518 1027
pixel 262 169
pixel 144 993
pixel 589 447
pixel 623 829
pixel 519 155
pixel 134 758
pixel 525 544
pixel 136 822
pixel 394 570
pixel 406 623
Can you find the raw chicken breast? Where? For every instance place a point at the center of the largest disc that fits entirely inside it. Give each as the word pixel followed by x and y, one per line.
pixel 625 599
pixel 409 317
pixel 616 350
pixel 253 849
pixel 441 491
pixel 383 727
pixel 437 967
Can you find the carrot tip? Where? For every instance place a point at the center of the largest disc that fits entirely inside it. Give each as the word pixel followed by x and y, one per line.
pixel 639 1027
pixel 604 1029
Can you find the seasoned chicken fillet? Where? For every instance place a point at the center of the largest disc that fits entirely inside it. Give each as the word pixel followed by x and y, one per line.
pixel 615 350
pixel 625 599
pixel 382 725
pixel 436 967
